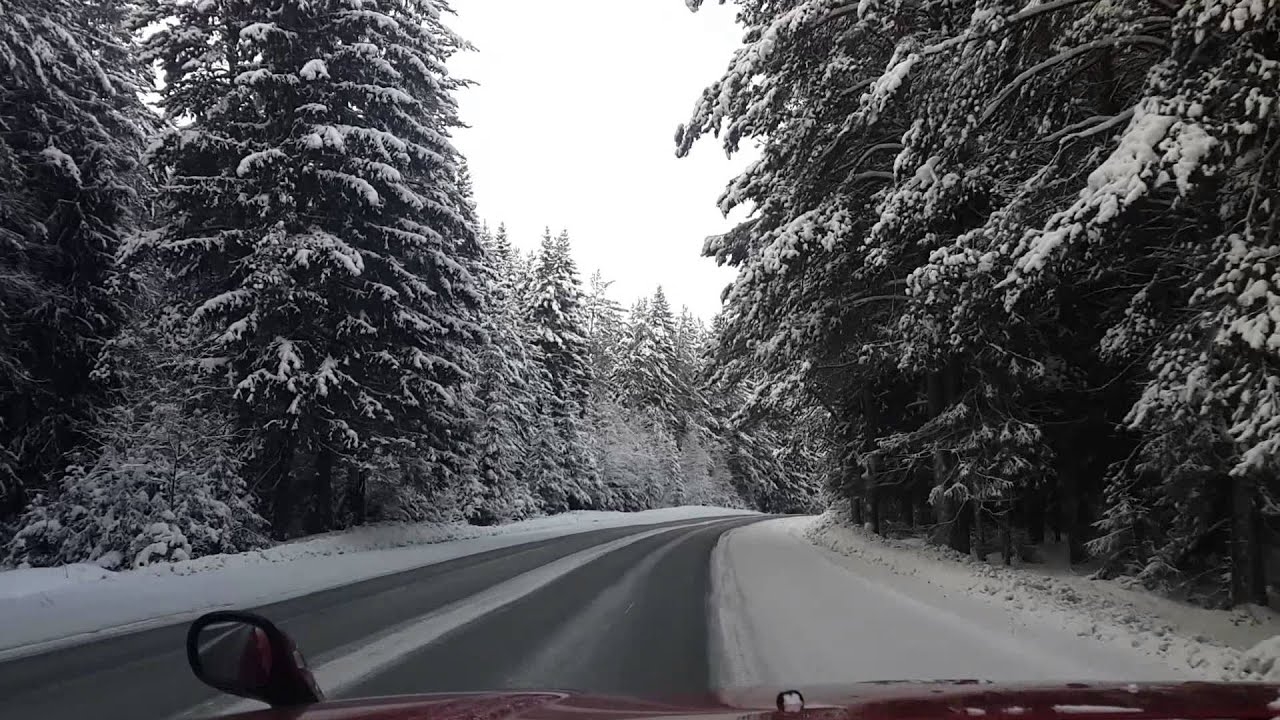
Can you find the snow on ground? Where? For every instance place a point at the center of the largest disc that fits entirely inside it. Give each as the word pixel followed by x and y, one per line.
pixel 1056 580
pixel 45 608
pixel 1112 625
pixel 792 614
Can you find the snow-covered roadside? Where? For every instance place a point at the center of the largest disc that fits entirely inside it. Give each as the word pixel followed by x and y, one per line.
pixel 790 613
pixel 1201 643
pixel 49 607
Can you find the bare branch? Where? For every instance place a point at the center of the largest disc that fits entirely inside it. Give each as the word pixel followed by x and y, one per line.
pixel 837 12
pixel 1088 127
pixel 872 175
pixel 877 298
pixel 1041 9
pixel 879 147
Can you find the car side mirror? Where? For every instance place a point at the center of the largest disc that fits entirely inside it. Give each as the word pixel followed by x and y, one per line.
pixel 245 654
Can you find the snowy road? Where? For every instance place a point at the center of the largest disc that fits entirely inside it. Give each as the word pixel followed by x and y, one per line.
pixel 351 633
pixel 668 611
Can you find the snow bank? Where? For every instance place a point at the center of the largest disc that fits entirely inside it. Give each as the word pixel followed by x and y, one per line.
pixel 16 583
pixel 1196 642
pixel 45 608
pixel 792 614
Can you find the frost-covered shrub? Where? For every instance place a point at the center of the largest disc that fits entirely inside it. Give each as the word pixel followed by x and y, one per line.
pixel 135 508
pixel 162 479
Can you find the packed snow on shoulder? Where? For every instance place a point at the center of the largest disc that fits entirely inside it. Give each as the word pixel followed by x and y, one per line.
pixel 790 613
pixel 45 608
pixel 1201 643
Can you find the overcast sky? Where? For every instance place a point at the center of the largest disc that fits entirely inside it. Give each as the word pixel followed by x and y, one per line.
pixel 573 124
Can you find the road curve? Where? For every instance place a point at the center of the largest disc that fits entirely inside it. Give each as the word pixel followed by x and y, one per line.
pixel 632 621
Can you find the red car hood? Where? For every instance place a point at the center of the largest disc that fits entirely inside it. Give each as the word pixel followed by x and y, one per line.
pixel 859 701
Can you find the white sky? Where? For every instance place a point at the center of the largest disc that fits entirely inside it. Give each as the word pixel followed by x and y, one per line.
pixel 573 124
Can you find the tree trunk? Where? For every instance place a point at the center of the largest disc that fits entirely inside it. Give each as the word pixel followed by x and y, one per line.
pixel 979 531
pixel 1034 503
pixel 954 518
pixel 920 503
pixel 850 466
pixel 1248 571
pixel 1076 520
pixel 874 499
pixel 1006 533
pixel 944 514
pixel 959 529
pixel 282 494
pixel 356 482
pixel 321 516
pixel 871 421
pixel 907 502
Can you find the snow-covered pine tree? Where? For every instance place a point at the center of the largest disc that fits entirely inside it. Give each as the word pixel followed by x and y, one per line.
pixel 314 217
pixel 510 383
pixel 604 330
pixel 71 129
pixel 689 344
pixel 553 297
pixel 645 375
pixel 1020 167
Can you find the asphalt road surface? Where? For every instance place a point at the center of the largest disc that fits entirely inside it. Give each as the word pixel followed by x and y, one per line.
pixel 632 622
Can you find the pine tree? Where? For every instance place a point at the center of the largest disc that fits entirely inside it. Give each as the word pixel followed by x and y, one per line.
pixel 647 375
pixel 688 347
pixel 315 219
pixel 568 479
pixel 951 209
pixel 510 384
pixel 604 331
pixel 71 130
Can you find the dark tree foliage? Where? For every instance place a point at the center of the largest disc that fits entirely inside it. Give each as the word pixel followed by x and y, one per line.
pixel 1022 258
pixel 71 129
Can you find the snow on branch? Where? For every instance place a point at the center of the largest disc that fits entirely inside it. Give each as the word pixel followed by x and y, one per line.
pixel 314 69
pixel 884 87
pixel 1065 56
pixel 1027 13
pixel 359 186
pixel 1155 149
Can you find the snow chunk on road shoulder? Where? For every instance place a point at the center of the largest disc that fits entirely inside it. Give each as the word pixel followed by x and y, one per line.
pixel 45 608
pixel 1259 662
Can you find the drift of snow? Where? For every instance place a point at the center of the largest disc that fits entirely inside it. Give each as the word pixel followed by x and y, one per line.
pixel 45 608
